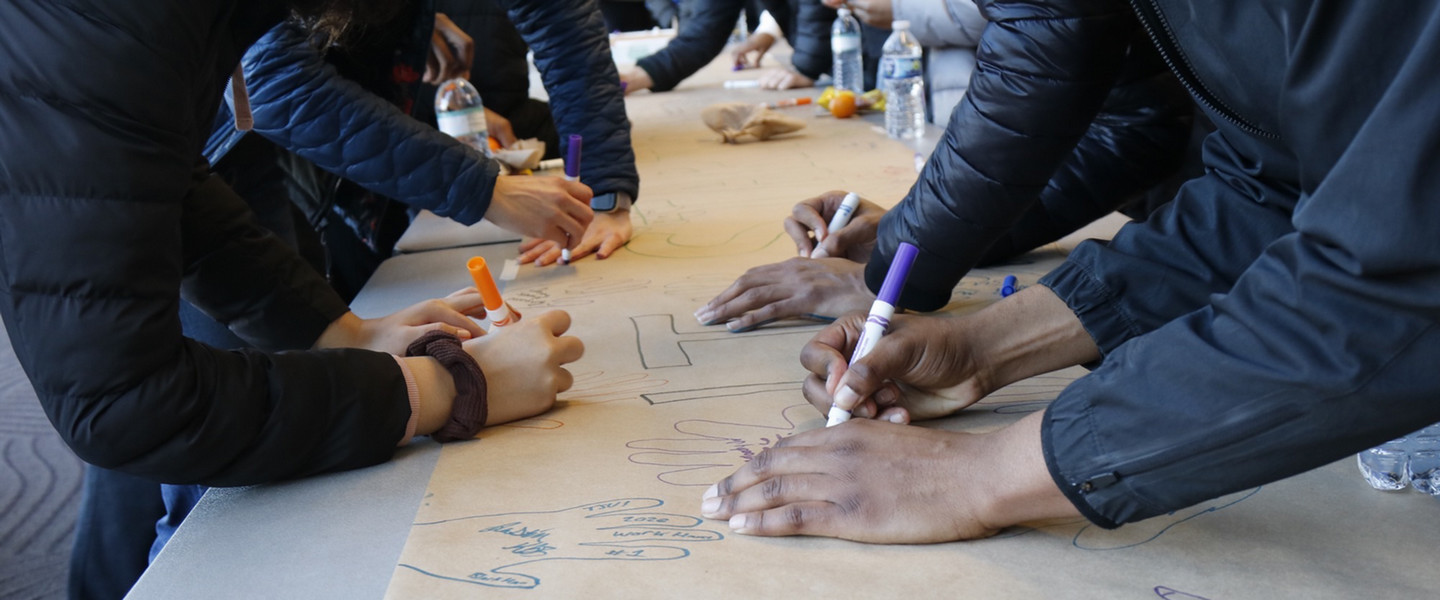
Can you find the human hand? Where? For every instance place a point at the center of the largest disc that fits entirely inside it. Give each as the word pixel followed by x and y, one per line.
pixel 809 221
pixel 757 44
pixel 798 287
pixel 544 207
pixel 487 549
pixel 451 52
pixel 499 128
pixel 636 79
pixel 922 368
pixel 876 13
pixel 783 79
pixel 393 332
pixel 866 481
pixel 607 233
pixel 523 362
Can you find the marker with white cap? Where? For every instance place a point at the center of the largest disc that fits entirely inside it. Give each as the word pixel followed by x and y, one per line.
pixel 880 313
pixel 842 216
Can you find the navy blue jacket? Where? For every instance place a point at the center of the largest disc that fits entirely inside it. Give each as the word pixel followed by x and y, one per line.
pixel 108 216
pixel 303 104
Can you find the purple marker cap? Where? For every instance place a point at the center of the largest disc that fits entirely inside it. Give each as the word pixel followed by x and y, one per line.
pixel 572 158
pixel 899 271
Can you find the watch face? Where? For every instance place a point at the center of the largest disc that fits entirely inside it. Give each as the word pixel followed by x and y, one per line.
pixel 603 202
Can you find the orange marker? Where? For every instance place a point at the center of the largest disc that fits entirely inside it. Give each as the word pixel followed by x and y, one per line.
pixel 789 102
pixel 497 309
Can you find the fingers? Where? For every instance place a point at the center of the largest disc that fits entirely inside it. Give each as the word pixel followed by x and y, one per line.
pixel 557 322
pixel 800 233
pixel 442 311
pixel 499 128
pixel 466 301
pixel 609 245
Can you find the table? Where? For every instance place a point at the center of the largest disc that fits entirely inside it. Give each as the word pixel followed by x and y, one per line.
pixel 669 387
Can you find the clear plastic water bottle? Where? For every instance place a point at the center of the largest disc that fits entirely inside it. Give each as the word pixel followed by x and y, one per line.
pixel 459 113
pixel 1410 461
pixel 902 73
pixel 741 32
pixel 849 70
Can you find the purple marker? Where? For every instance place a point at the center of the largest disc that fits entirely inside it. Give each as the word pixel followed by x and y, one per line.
pixel 572 173
pixel 880 313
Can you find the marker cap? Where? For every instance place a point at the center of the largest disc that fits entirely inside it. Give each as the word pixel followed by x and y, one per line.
pixel 480 272
pixel 572 157
pixel 899 272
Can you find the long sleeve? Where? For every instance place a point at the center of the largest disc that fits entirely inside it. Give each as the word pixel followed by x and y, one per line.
pixel 705 26
pixel 810 38
pixel 304 105
pixel 572 54
pixel 1045 69
pixel 944 24
pixel 1318 335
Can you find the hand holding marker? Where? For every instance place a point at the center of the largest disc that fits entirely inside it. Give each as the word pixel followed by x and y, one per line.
pixel 842 216
pixel 572 173
pixel 879 318
pixel 496 308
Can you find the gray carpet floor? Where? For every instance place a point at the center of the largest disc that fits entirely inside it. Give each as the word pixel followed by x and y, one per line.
pixel 39 490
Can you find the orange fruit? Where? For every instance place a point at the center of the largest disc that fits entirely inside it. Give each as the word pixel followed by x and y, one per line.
pixel 494 144
pixel 843 104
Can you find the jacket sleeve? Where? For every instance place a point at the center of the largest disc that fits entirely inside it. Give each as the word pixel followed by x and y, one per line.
pixel 1044 70
pixel 304 105
pixel 810 38
pixel 1136 142
pixel 944 24
pixel 572 53
pixel 1324 345
pixel 705 26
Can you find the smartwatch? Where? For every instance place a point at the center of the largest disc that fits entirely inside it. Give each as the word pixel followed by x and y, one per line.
pixel 610 202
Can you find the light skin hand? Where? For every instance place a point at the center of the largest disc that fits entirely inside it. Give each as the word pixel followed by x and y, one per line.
pixel 499 128
pixel 783 79
pixel 810 221
pixel 876 13
pixel 878 482
pixel 451 52
pixel 636 79
pixel 798 287
pixel 609 232
pixel 523 367
pixel 543 207
pixel 393 332
pixel 931 366
pixel 757 44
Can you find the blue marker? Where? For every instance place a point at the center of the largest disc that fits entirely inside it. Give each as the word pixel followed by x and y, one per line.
pixel 880 313
pixel 1008 286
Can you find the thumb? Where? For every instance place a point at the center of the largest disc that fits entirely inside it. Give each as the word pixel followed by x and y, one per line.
pixel 868 374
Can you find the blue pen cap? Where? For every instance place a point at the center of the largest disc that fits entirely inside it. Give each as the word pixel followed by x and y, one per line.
pixel 572 157
pixel 898 273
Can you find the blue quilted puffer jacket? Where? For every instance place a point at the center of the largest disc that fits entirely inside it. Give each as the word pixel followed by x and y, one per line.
pixel 302 103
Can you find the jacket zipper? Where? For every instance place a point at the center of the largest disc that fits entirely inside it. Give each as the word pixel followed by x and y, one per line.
pixel 1148 11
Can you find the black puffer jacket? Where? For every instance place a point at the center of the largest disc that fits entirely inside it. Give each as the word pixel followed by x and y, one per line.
pixel 1069 105
pixel 108 217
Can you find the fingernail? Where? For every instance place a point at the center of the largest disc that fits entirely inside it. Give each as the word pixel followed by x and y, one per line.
pixel 897 419
pixel 819 253
pixel 865 411
pixel 733 325
pixel 846 398
pixel 710 507
pixel 737 523
pixel 463 334
pixel 713 492
pixel 704 316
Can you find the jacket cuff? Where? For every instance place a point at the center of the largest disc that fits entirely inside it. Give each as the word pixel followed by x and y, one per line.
pixel 1073 487
pixel 1093 302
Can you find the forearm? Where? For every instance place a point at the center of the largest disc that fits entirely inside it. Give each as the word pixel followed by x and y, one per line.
pixel 1027 334
pixel 704 29
pixel 1010 483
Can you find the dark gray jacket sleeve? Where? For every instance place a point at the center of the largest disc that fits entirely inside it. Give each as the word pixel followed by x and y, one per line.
pixel 705 26
pixel 572 53
pixel 809 37
pixel 1296 334
pixel 1044 70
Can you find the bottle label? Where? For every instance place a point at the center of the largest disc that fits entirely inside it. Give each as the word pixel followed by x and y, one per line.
pixel 892 67
pixel 844 43
pixel 465 121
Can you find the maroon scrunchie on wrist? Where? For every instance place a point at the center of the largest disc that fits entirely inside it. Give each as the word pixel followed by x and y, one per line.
pixel 468 413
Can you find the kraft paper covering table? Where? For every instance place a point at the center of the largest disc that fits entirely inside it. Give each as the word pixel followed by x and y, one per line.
pixel 599 498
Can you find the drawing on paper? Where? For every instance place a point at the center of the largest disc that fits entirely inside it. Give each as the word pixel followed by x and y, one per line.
pixel 726 391
pixel 1091 537
pixel 1173 594
pixel 660 344
pixel 595 387
pixel 573 292
pixel 705 450
pixel 505 550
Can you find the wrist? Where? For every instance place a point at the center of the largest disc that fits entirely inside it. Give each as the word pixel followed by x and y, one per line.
pixel 455 411
pixel 1029 333
pixel 1014 483
pixel 344 332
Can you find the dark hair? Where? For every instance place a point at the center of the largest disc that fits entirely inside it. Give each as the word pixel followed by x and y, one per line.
pixel 330 20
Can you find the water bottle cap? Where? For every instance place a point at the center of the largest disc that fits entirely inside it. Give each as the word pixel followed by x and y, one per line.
pixel 844 11
pixel 901 24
